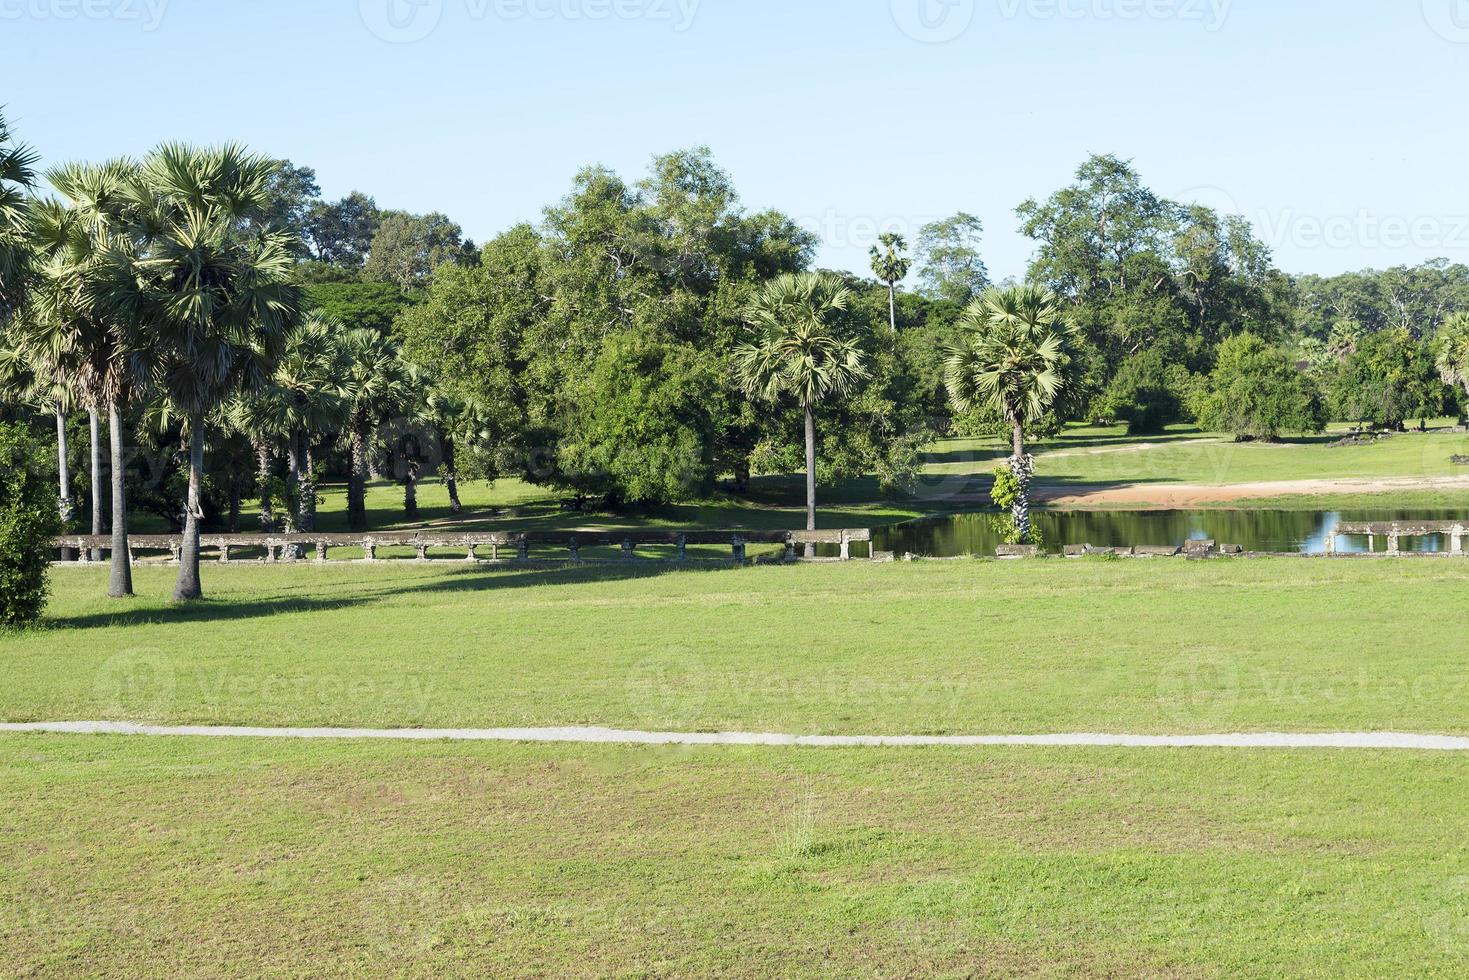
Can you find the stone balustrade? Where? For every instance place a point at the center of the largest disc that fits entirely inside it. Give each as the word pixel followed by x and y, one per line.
pixel 476 546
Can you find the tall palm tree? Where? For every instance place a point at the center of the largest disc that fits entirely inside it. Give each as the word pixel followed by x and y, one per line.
pixel 891 265
pixel 220 296
pixel 1453 351
pixel 87 314
pixel 378 386
pixel 801 350
pixel 1012 360
pixel 17 175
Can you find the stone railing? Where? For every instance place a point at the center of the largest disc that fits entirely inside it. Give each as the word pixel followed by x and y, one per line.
pixel 1396 531
pixel 477 546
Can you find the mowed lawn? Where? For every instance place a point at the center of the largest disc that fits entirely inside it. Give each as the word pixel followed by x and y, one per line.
pixel 140 857
pixel 1294 645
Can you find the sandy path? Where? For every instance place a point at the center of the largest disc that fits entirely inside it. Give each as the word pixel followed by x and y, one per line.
pixel 1184 495
pixel 1388 741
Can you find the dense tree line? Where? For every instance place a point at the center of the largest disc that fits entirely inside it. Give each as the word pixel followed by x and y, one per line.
pixel 241 339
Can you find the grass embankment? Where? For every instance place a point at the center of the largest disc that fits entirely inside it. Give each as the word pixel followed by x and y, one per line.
pixel 947 648
pixel 148 857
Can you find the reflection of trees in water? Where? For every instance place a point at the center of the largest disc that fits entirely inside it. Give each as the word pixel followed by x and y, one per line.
pixel 1253 530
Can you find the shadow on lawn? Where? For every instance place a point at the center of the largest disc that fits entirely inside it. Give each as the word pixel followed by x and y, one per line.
pixel 460 580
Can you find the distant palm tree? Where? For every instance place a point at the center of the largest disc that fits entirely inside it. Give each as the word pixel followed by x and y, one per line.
pixel 891 265
pixel 378 386
pixel 1453 351
pixel 221 299
pixel 17 175
pixel 1011 360
pixel 802 351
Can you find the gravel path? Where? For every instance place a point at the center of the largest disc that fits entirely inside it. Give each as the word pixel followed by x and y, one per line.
pixel 1376 741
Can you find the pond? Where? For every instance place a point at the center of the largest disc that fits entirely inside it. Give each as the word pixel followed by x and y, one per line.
pixel 1286 531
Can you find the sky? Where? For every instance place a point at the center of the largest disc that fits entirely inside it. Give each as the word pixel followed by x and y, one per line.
pixel 1336 126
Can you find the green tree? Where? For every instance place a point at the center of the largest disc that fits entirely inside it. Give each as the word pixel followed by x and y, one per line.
pixel 88 315
pixel 1256 393
pixel 221 301
pixel 1452 352
pixel 1388 378
pixel 1148 393
pixel 28 522
pixel 891 265
pixel 950 266
pixel 341 232
pixel 370 305
pixel 1012 360
pixel 17 174
pixel 802 350
pixel 408 248
pixel 378 386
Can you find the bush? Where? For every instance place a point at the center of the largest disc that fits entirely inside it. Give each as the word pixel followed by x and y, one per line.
pixel 1256 392
pixel 28 522
pixel 1147 394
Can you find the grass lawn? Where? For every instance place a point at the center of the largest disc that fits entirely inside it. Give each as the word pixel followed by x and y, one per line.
pixel 144 857
pixel 1296 645
pixel 132 856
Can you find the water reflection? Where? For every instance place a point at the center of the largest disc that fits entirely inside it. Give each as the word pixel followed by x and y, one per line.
pixel 1286 531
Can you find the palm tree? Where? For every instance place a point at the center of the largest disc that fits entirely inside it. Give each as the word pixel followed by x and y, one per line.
pixel 891 265
pixel 378 385
pixel 1453 351
pixel 87 314
pixel 17 175
pixel 1011 360
pixel 802 351
pixel 220 297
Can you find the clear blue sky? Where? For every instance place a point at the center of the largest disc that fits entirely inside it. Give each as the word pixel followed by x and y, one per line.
pixel 1338 126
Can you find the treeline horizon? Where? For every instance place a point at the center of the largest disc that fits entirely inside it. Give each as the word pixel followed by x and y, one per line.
pixel 594 350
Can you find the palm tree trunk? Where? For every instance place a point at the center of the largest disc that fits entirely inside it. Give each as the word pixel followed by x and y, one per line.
pixel 893 306
pixel 357 479
pixel 65 504
pixel 96 453
pixel 451 476
pixel 410 491
pixel 1020 466
pixel 292 510
pixel 810 475
pixel 120 583
pixel 306 486
pixel 262 477
pixel 188 587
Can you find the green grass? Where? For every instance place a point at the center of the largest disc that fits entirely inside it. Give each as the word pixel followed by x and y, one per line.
pixel 143 857
pixel 1294 645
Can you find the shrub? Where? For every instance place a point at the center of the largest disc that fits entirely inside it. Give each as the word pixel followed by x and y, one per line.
pixel 28 522
pixel 1256 392
pixel 1147 394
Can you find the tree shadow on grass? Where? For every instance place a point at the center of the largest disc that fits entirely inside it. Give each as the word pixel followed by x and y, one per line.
pixel 456 580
